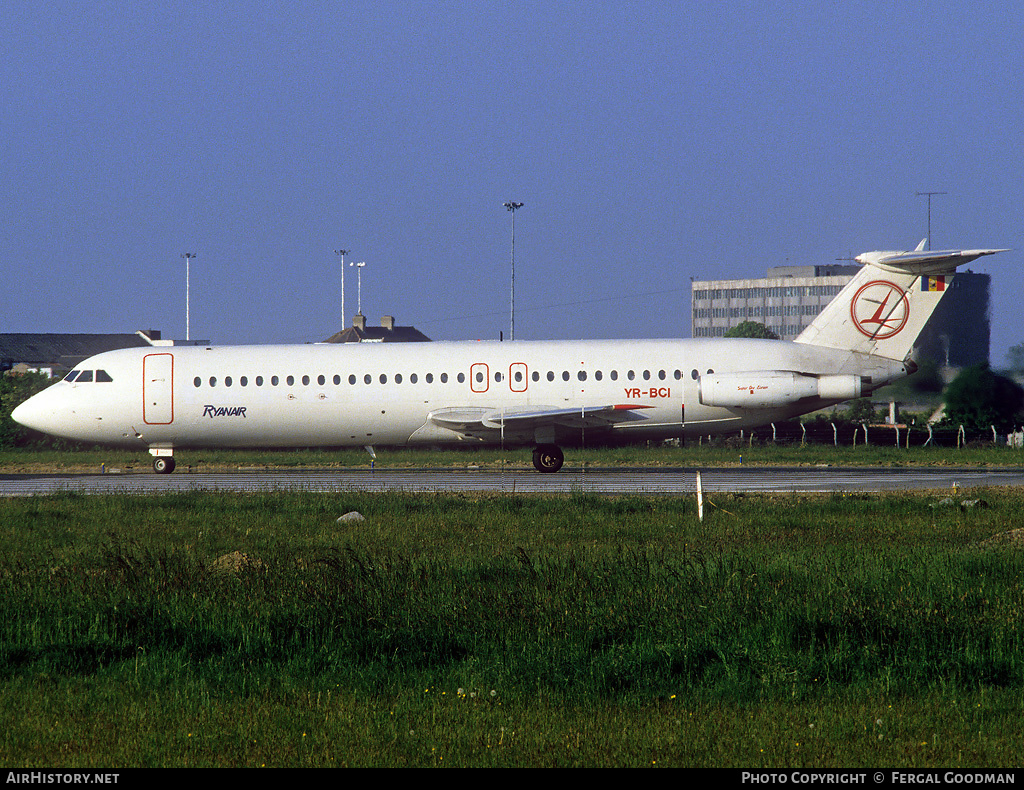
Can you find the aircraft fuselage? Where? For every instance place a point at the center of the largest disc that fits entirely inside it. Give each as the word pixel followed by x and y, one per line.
pixel 396 394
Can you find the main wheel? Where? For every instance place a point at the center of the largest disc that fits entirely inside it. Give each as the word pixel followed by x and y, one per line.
pixel 548 458
pixel 163 465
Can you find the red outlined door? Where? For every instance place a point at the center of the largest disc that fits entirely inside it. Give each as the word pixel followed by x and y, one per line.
pixel 517 379
pixel 158 389
pixel 478 377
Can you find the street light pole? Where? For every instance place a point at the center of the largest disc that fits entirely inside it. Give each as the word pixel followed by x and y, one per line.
pixel 512 206
pixel 342 253
pixel 188 256
pixel 359 284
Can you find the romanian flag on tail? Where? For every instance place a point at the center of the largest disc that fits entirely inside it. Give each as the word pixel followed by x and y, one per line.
pixel 933 283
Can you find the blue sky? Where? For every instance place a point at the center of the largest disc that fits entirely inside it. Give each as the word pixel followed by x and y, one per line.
pixel 649 143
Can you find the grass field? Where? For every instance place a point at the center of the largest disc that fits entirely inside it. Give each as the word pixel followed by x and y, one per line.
pixel 205 629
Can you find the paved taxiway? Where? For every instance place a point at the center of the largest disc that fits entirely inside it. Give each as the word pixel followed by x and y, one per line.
pixel 597 481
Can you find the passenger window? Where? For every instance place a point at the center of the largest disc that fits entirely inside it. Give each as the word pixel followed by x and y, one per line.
pixel 274 380
pixel 290 380
pixel 565 375
pixel 398 378
pixel 462 378
pixel 430 378
pixel 582 375
pixel 614 375
pixel 337 379
pixel 551 375
pixel 102 375
pixel 367 378
pixel 244 381
pixel 227 381
pixel 413 378
pixel 647 375
pixel 305 381
pixel 321 380
pixel 213 381
pixel 631 375
pixel 259 381
pixel 661 375
pixel 352 378
pixel 597 375
pixel 383 378
pixel 444 378
pixel 197 381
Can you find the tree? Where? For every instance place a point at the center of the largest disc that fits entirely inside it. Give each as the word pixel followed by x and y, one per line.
pixel 15 388
pixel 978 398
pixel 751 329
pixel 861 410
pixel 1015 359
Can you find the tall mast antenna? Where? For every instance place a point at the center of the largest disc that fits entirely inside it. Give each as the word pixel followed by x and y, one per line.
pixel 929 194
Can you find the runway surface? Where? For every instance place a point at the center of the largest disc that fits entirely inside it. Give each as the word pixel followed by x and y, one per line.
pixel 598 481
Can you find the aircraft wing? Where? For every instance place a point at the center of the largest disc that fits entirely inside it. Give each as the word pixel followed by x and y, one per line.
pixel 484 421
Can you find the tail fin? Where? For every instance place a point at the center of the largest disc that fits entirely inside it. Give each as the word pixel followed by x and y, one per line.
pixel 883 309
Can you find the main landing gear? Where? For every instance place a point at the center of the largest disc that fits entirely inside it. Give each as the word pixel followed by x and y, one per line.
pixel 548 458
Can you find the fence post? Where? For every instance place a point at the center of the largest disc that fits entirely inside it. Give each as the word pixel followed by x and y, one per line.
pixel 835 435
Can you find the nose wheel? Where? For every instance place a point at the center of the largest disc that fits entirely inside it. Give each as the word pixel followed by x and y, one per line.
pixel 548 458
pixel 163 465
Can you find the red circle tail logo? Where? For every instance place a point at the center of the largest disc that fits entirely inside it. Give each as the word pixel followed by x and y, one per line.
pixel 880 309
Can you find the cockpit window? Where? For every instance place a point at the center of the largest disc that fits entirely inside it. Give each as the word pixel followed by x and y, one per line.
pixel 102 375
pixel 72 375
pixel 86 376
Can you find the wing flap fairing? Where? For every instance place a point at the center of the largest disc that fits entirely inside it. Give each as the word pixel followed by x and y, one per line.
pixel 478 420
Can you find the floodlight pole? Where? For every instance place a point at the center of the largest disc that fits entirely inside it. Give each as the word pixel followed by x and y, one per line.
pixel 342 253
pixel 512 206
pixel 188 256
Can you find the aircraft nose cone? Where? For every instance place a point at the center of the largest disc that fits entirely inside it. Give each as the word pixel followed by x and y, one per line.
pixel 33 413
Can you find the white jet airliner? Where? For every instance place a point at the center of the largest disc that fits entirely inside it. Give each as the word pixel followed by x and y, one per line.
pixel 540 393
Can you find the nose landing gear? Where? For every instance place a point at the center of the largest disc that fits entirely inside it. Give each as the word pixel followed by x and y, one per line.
pixel 163 460
pixel 163 465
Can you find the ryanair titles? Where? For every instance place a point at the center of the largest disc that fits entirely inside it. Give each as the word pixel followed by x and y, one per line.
pixel 223 411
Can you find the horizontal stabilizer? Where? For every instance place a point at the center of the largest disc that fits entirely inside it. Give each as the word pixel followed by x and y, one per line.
pixel 923 261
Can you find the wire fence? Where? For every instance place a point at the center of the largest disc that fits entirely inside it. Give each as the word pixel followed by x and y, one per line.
pixel 858 434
